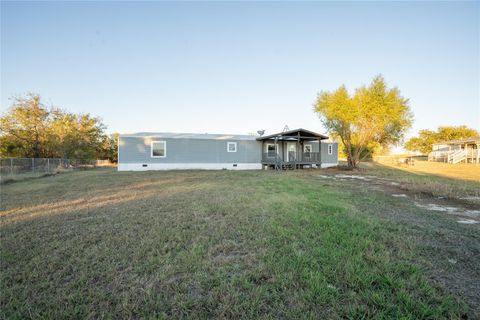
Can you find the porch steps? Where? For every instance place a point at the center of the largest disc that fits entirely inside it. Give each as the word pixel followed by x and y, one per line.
pixel 283 165
pixel 457 156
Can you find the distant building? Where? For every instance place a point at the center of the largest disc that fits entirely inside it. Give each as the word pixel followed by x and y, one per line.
pixel 456 151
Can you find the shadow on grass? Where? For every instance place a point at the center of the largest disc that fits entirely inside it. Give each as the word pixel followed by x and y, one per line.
pixel 134 192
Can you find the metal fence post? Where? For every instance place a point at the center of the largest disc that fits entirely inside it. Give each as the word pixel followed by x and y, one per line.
pixel 48 165
pixel 33 165
pixel 11 166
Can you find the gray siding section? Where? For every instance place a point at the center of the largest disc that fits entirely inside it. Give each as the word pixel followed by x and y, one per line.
pixel 329 158
pixel 325 157
pixel 137 150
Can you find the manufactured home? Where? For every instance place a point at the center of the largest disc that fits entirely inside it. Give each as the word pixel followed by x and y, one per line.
pixel 293 149
pixel 456 151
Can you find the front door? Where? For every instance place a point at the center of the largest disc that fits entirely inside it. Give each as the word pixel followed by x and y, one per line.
pixel 291 151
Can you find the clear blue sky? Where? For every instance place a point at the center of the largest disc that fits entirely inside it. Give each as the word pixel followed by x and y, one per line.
pixel 239 67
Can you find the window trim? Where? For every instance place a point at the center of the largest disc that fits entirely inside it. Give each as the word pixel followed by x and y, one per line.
pixel 266 149
pixel 164 148
pixel 231 143
pixel 330 149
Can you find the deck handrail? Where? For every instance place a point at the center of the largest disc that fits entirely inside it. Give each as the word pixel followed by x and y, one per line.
pixel 453 156
pixel 457 156
pixel 304 157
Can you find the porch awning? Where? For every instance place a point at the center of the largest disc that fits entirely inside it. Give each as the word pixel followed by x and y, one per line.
pixel 457 142
pixel 294 135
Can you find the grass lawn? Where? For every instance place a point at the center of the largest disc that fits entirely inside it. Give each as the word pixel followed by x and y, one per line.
pixel 455 181
pixel 222 244
pixel 461 171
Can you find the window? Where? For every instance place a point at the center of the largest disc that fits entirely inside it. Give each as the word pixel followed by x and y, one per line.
pixel 330 149
pixel 271 149
pixel 158 149
pixel 231 147
pixel 307 149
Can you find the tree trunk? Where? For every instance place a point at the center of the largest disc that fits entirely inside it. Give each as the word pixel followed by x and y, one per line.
pixel 352 161
pixel 352 158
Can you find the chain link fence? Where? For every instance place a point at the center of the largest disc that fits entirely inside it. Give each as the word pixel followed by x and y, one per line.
pixel 15 168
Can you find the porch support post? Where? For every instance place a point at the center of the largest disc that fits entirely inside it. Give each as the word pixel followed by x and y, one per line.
pixel 297 154
pixel 262 153
pixel 478 152
pixel 320 152
pixel 276 152
pixel 302 151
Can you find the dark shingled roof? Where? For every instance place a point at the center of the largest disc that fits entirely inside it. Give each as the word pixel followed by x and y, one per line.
pixel 461 141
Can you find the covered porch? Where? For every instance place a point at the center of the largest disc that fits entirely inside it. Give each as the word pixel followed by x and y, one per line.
pixel 291 149
pixel 455 151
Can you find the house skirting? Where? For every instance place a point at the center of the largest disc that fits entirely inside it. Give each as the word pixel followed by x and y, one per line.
pixel 328 165
pixel 188 166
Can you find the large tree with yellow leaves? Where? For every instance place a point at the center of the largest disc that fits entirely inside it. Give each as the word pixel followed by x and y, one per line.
pixel 374 115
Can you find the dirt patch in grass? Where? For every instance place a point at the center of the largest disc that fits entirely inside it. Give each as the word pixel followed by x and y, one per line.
pixel 465 207
pixel 461 184
pixel 447 229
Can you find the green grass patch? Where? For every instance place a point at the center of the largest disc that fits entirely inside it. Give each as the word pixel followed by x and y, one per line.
pixel 195 244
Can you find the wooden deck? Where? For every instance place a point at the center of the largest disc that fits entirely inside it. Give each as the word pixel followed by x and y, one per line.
pixel 455 156
pixel 295 160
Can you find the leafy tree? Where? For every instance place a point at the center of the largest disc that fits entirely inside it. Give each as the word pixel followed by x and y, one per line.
pixel 109 148
pixel 62 135
pixel 375 116
pixel 455 133
pixel 76 136
pixel 423 143
pixel 30 129
pixel 23 129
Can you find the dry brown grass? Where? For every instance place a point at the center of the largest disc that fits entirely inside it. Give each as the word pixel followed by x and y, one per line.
pixel 458 183
pixel 461 171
